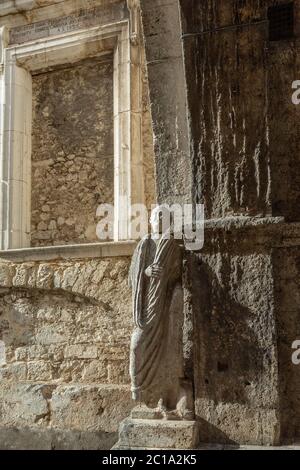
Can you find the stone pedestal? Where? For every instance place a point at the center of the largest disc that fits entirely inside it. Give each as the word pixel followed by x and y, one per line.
pixel 157 434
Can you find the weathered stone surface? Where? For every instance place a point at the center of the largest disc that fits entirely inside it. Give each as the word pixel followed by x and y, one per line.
pixel 147 136
pixel 72 151
pixel 287 295
pixel 236 358
pixel 87 17
pixel 229 126
pixel 157 434
pixel 29 438
pixel 6 274
pixel 23 404
pixel 242 127
pixel 63 323
pixel 161 26
pixel 243 141
pixel 64 326
pixel 90 407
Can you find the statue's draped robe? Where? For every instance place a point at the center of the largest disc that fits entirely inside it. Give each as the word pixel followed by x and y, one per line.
pixel 151 307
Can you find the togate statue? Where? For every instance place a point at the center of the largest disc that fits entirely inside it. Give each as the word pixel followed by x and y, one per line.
pixel 156 352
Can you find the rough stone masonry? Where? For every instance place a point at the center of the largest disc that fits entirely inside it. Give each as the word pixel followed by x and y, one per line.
pixel 219 128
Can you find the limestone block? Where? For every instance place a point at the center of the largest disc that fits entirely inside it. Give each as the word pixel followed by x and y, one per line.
pixel 22 404
pixel 37 438
pixel 231 423
pixel 21 276
pixel 13 372
pixel 44 277
pixel 26 438
pixel 70 276
pixel 81 351
pixel 48 313
pixel 20 353
pixel 90 407
pixel 6 273
pixel 157 434
pixel 95 371
pixel 34 351
pixel 39 371
pixel 51 334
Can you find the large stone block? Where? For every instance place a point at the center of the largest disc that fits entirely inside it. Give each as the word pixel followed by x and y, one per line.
pixel 33 438
pixel 89 407
pixel 157 434
pixel 23 404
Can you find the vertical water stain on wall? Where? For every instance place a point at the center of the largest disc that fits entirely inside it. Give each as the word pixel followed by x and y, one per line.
pixel 72 151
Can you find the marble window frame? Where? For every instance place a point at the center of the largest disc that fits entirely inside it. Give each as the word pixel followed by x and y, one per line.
pixel 18 63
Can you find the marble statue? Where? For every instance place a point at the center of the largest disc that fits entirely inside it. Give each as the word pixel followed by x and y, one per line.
pixel 156 343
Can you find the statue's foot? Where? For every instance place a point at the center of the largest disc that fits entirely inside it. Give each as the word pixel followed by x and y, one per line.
pixel 188 415
pixel 172 415
pixel 183 410
pixel 142 411
pixel 176 415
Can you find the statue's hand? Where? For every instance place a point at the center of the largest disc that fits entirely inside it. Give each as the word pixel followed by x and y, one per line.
pixel 154 271
pixel 148 271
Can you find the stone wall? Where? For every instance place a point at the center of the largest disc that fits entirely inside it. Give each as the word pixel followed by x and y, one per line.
pixel 236 355
pixel 244 126
pixel 64 332
pixel 225 134
pixel 244 146
pixel 161 26
pixel 72 152
pixel 241 160
pixel 147 137
pixel 287 294
pixel 65 324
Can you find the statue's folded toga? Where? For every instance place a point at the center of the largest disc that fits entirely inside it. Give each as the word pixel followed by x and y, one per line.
pixel 153 296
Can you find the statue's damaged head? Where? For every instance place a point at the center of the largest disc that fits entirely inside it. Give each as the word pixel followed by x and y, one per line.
pixel 161 220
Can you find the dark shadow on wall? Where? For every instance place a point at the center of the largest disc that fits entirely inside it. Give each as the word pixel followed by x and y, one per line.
pixel 287 294
pixel 232 361
pixel 209 433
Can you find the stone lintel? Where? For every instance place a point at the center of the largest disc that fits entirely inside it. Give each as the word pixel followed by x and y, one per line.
pixel 91 250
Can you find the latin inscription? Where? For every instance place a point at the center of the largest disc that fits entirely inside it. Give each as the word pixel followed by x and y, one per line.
pixel 84 18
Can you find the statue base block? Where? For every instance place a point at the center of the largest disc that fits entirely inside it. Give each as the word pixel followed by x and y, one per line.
pixel 157 434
